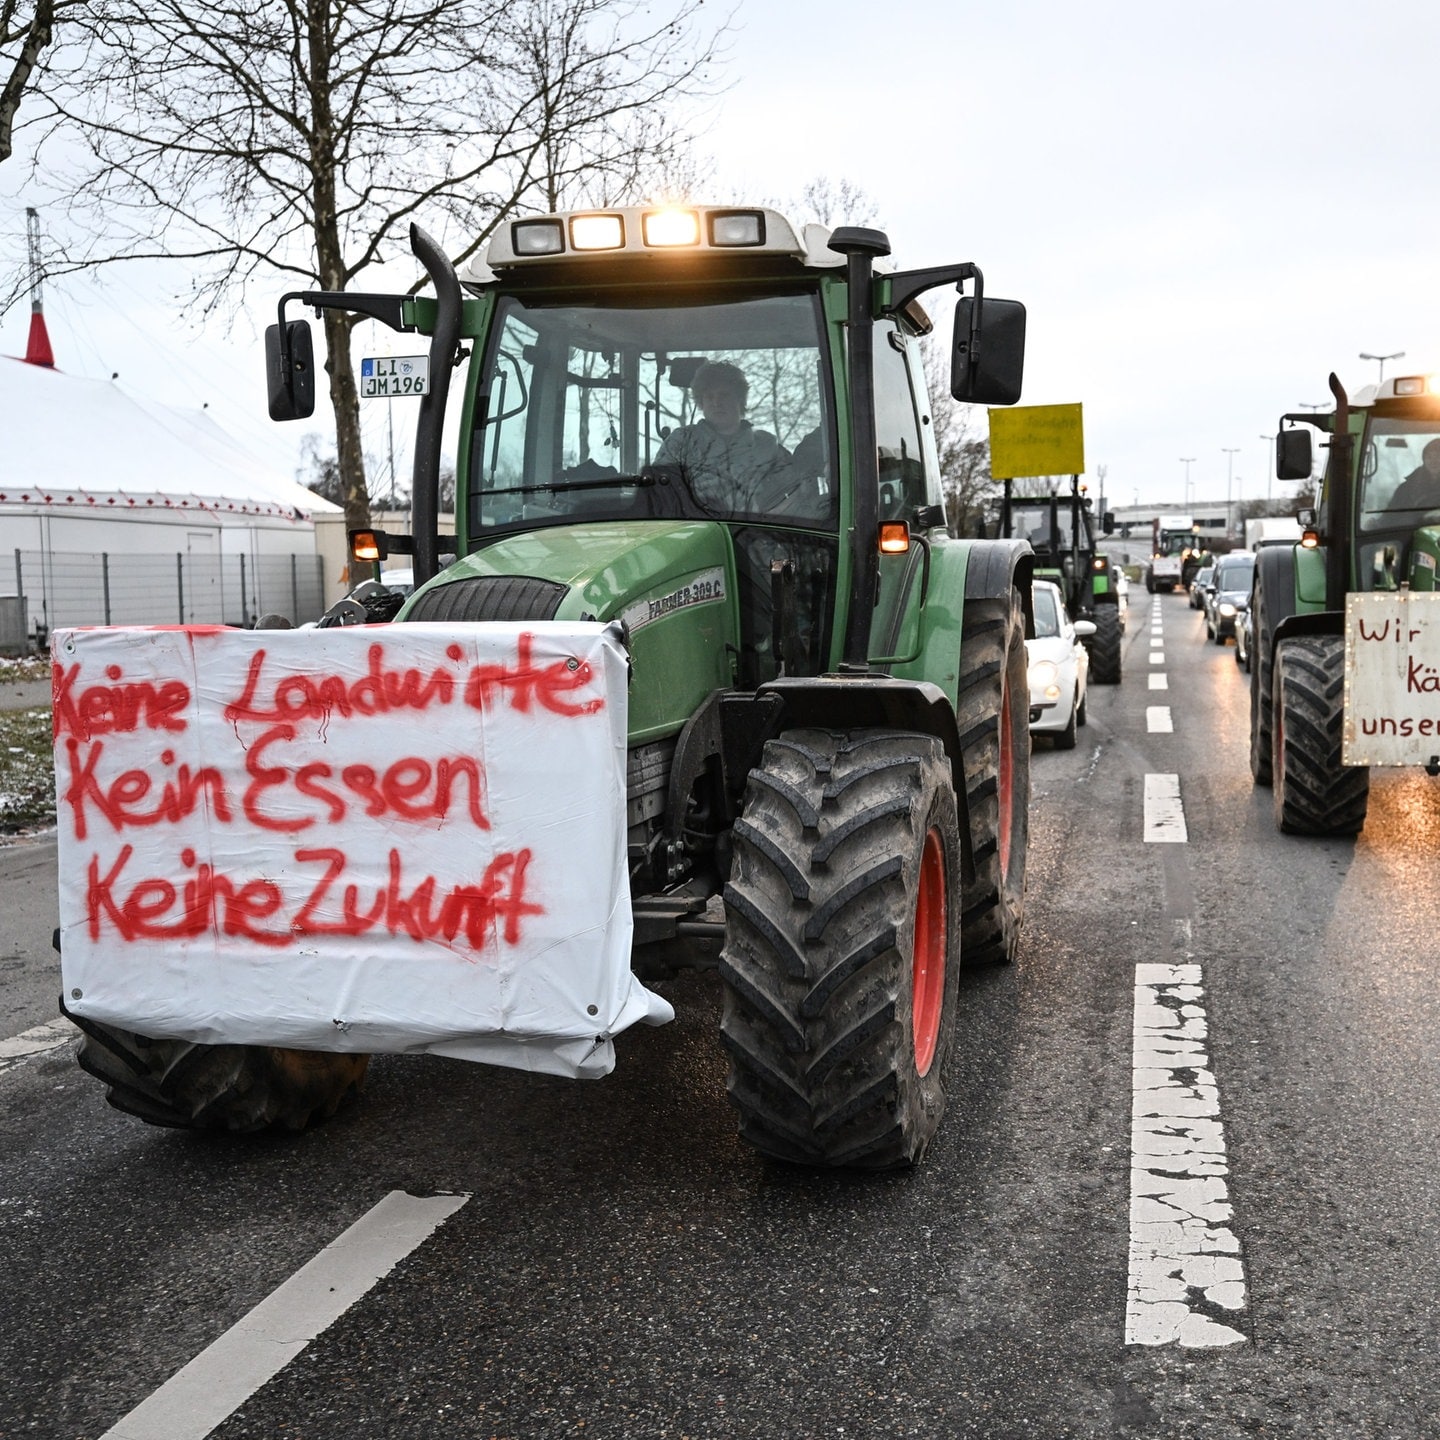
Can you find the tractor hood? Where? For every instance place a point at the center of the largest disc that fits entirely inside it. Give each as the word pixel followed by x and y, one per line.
pixel 669 584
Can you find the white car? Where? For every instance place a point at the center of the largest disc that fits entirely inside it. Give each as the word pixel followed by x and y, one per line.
pixel 1059 667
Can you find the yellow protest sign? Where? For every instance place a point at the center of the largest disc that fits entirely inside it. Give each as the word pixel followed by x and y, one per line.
pixel 1036 440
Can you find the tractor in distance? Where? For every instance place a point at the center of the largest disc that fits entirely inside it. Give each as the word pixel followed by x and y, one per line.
pixel 1176 554
pixel 1364 570
pixel 828 756
pixel 1061 531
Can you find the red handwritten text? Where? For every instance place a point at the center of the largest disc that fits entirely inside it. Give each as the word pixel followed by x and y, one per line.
pixel 157 908
pixel 529 684
pixel 129 799
pixel 317 697
pixel 102 709
pixel 412 788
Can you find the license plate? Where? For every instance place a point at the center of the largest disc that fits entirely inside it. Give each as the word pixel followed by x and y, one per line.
pixel 386 376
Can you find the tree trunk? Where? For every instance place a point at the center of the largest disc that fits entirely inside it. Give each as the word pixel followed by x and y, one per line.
pixel 345 401
pixel 38 37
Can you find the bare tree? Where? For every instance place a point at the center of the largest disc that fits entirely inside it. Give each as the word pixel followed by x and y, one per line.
pixel 836 202
pixel 965 479
pixel 304 136
pixel 23 41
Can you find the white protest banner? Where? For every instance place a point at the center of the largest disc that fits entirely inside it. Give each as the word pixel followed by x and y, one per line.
pixel 1392 678
pixel 365 838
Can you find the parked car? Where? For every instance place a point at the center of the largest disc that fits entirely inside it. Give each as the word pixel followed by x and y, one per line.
pixel 1059 668
pixel 1198 586
pixel 1229 594
pixel 1243 639
pixel 401 580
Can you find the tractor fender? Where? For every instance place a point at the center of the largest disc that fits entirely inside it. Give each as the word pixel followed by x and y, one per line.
pixel 995 567
pixel 879 702
pixel 1275 579
pixel 1316 622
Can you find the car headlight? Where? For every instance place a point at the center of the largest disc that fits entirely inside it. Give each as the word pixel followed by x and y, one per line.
pixel 1044 672
pixel 1227 609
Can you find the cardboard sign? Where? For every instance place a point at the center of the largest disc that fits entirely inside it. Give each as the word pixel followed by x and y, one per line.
pixel 1392 678
pixel 367 838
pixel 1028 440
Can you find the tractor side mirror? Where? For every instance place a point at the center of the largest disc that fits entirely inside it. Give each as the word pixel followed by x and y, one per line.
pixel 988 352
pixel 290 371
pixel 1292 455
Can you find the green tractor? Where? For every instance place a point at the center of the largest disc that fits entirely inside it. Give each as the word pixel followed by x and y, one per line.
pixel 828 762
pixel 1061 530
pixel 1373 543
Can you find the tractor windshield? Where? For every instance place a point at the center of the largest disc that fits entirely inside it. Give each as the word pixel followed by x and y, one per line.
pixel 1400 473
pixel 632 410
pixel 1032 522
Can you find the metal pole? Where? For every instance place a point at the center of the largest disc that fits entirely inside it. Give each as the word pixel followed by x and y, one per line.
pixel 180 582
pixel 105 581
pixel 294 591
pixel 1230 455
pixel 20 591
pixel 244 602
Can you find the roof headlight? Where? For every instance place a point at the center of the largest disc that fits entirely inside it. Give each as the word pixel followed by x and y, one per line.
pixel 538 237
pixel 737 228
pixel 1414 384
pixel 597 232
pixel 669 228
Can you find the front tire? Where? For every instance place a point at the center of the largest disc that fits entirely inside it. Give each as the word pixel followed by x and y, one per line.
pixel 842 948
pixel 239 1088
pixel 1065 739
pixel 1315 793
pixel 1105 646
pixel 993 717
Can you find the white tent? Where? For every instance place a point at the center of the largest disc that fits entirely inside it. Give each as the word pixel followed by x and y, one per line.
pixel 115 510
pixel 79 458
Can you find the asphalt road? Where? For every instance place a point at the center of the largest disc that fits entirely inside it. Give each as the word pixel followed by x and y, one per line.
pixel 620 1264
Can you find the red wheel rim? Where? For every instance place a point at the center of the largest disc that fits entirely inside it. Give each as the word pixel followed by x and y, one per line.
pixel 927 975
pixel 1005 783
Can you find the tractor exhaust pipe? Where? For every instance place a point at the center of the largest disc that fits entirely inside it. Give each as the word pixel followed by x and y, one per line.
pixel 444 345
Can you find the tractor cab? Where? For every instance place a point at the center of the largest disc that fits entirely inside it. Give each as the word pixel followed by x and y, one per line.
pixel 1392 481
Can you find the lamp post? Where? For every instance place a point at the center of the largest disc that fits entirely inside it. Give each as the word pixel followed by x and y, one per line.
pixel 1366 355
pixel 1187 461
pixel 1230 454
pixel 1269 468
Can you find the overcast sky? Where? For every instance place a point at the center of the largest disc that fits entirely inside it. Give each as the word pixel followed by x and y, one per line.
pixel 1204 209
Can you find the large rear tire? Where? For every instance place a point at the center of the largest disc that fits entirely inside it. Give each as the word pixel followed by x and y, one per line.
pixel 842 948
pixel 217 1087
pixel 1315 793
pixel 994 721
pixel 1105 646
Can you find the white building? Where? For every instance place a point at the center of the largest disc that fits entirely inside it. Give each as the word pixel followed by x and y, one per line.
pixel 117 510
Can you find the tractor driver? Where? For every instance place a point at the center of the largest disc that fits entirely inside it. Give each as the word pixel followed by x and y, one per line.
pixel 1420 489
pixel 730 464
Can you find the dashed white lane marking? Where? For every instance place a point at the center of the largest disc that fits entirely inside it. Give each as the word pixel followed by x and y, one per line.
pixel 1159 682
pixel 36 1041
pixel 1185 1265
pixel 1157 720
pixel 1164 814
pixel 221 1378
pixel 1157 657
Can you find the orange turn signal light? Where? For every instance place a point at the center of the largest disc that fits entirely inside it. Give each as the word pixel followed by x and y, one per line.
pixel 1310 539
pixel 365 545
pixel 894 537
